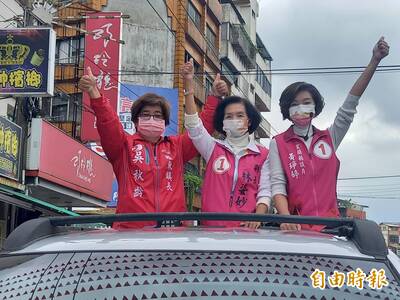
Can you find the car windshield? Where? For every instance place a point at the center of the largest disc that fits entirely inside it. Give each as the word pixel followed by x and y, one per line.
pixel 184 275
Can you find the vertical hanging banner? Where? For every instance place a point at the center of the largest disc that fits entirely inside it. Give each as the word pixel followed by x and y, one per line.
pixel 103 55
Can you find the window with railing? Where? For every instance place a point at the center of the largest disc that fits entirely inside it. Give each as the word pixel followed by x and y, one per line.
pixel 393 239
pixel 224 29
pixel 211 37
pixel 68 51
pixel 209 83
pixel 59 108
pixel 194 15
pixel 263 81
pixel 243 45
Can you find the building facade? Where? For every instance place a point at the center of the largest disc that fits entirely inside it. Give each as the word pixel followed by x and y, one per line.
pixel 158 37
pixel 244 58
pixel 196 24
pixel 15 205
pixel 391 233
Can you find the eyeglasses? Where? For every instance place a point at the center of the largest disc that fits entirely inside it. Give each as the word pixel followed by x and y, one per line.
pixel 146 116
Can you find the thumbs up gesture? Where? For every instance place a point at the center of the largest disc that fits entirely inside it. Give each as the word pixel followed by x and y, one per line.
pixel 88 84
pixel 219 88
pixel 187 70
pixel 381 49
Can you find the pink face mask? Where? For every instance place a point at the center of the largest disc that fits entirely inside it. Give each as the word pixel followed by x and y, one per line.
pixel 151 128
pixel 301 121
pixel 301 115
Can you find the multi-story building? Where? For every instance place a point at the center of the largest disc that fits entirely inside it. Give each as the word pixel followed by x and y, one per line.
pixel 148 46
pixel 244 57
pixel 391 233
pixel 196 24
pixel 158 37
pixel 64 109
pixel 16 205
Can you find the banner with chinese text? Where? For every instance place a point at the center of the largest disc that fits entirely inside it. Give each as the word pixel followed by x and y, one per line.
pixel 10 149
pixel 130 92
pixel 27 58
pixel 102 54
pixel 71 165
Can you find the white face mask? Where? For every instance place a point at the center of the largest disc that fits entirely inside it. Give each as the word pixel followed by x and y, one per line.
pixel 301 115
pixel 234 128
pixel 303 110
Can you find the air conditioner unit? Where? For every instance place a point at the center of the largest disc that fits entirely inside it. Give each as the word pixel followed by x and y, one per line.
pixel 33 145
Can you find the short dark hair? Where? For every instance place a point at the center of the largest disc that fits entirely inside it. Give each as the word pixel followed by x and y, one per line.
pixel 290 93
pixel 150 99
pixel 252 113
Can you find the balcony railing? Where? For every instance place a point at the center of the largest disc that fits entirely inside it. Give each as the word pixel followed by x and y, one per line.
pixel 244 85
pixel 213 55
pixel 263 104
pixel 68 71
pixel 227 73
pixel 243 45
pixel 66 126
pixel 264 130
pixel 263 81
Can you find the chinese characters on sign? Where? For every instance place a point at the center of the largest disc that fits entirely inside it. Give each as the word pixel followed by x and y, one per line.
pixel 27 61
pixel 62 160
pixel 10 142
pixel 20 78
pixel 376 279
pixel 125 115
pixel 84 167
pixel 102 54
pixel 129 93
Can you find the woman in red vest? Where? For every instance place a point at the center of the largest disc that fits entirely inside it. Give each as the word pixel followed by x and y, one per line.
pixel 148 165
pixel 303 162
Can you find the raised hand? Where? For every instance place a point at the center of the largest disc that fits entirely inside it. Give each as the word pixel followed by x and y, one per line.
pixel 187 70
pixel 219 88
pixel 381 49
pixel 88 84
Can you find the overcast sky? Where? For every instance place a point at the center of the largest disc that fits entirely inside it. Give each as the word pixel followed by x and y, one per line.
pixel 315 33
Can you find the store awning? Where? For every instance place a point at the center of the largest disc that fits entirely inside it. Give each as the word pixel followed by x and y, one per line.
pixel 21 200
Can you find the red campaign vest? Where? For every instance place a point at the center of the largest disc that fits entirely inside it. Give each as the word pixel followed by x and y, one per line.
pixel 311 175
pixel 150 177
pixel 146 184
pixel 217 194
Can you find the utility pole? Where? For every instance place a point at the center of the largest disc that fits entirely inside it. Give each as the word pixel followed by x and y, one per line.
pixel 24 105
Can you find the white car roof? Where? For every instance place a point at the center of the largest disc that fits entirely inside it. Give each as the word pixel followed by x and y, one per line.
pixel 196 239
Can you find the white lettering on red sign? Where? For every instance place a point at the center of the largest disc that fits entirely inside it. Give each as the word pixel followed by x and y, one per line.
pixel 84 167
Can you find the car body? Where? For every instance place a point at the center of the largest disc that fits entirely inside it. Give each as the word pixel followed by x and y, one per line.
pixel 192 263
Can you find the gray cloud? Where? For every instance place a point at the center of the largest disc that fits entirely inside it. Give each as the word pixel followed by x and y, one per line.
pixel 313 33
